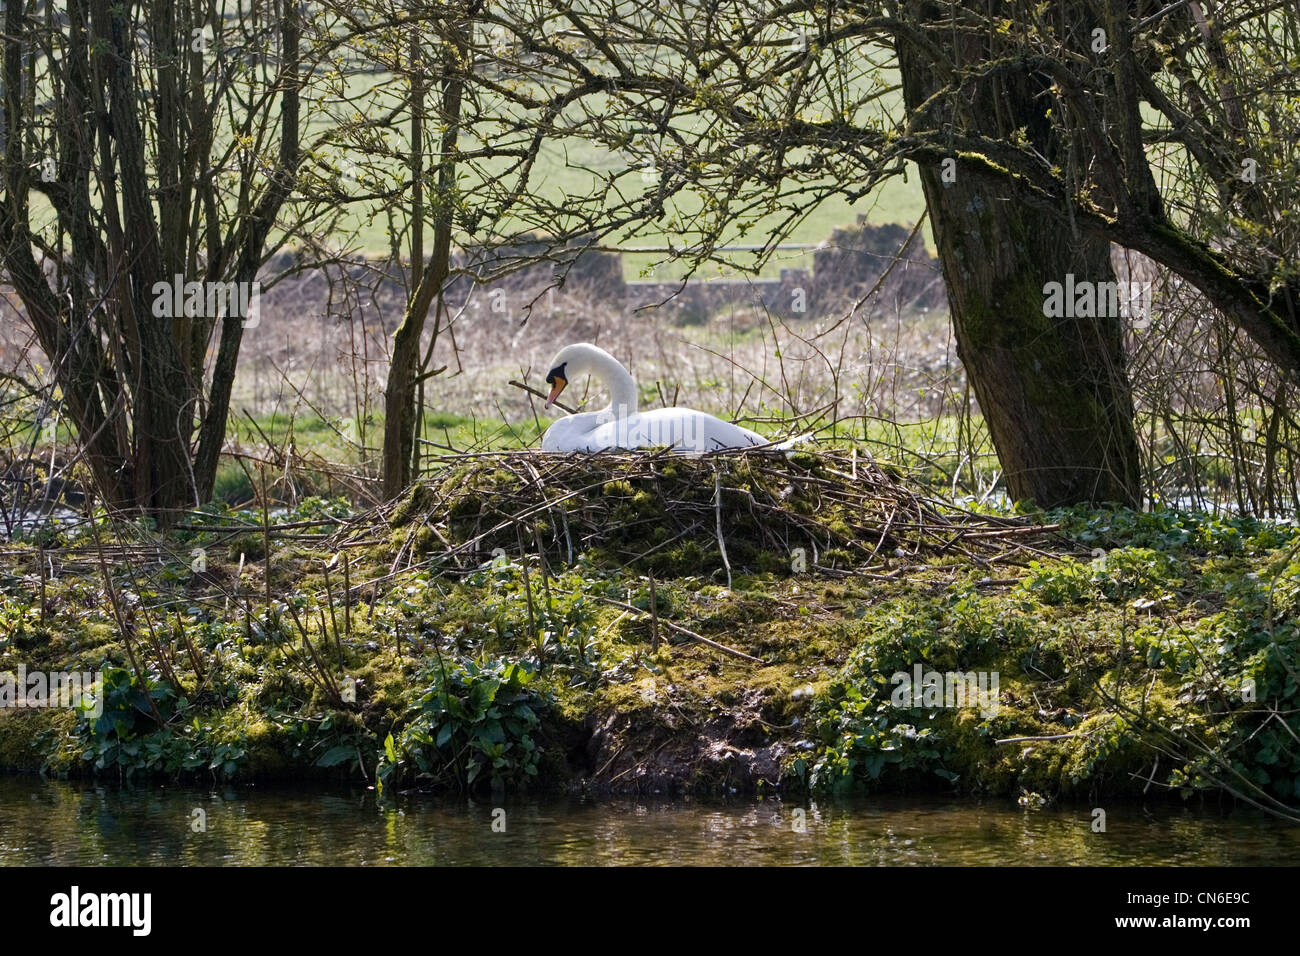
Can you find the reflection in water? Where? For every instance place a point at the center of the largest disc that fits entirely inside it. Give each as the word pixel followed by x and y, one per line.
pixel 50 822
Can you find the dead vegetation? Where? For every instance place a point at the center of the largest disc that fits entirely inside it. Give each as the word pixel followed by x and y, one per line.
pixel 831 512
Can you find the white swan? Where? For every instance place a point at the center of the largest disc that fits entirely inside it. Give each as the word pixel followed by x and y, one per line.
pixel 620 425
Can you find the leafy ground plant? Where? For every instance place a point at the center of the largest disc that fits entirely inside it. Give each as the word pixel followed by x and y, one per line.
pixel 473 723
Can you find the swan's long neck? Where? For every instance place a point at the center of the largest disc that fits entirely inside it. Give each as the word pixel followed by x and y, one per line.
pixel 618 381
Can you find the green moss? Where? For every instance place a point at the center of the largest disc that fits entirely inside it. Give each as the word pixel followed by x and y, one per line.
pixel 416 502
pixel 251 546
pixel 24 736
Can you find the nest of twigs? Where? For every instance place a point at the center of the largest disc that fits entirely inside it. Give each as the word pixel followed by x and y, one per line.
pixel 674 515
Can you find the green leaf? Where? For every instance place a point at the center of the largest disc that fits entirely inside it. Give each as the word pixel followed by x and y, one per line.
pixel 336 755
pixel 482 694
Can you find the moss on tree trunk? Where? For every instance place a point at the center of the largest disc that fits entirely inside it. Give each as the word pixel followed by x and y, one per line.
pixel 1054 391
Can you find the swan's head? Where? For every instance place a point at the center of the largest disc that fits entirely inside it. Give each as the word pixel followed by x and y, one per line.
pixel 581 358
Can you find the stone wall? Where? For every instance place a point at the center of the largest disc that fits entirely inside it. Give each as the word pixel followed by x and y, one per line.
pixel 852 262
pixel 847 267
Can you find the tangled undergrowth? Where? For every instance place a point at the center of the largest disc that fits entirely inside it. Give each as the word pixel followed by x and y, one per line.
pixel 666 514
pixel 451 641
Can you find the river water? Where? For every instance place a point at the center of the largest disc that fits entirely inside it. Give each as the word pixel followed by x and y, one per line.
pixel 52 822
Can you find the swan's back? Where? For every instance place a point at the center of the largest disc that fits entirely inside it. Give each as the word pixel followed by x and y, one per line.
pixel 684 429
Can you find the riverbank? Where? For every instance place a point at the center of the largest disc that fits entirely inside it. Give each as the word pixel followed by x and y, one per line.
pixel 1115 653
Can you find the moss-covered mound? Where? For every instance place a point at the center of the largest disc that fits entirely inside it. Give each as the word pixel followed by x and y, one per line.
pixel 673 514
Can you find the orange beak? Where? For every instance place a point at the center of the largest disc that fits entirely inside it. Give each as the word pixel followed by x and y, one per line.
pixel 556 388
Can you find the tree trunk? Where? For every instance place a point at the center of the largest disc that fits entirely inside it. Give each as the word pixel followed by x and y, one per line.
pixel 399 392
pixel 162 414
pixel 1054 392
pixel 248 252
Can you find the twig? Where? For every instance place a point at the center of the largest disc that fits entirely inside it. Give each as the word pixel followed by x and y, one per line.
pixel 532 391
pixel 717 506
pixel 684 631
pixel 654 616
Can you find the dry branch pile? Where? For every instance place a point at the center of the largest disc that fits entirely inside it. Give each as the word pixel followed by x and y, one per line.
pixel 676 515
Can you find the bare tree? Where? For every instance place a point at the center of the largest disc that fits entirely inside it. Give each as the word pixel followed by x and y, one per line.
pixel 427 280
pixel 1052 384
pixel 165 138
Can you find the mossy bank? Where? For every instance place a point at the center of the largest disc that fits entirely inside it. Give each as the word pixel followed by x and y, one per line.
pixel 1163 663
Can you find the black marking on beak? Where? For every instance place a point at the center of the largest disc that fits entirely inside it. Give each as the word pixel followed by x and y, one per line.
pixel 558 382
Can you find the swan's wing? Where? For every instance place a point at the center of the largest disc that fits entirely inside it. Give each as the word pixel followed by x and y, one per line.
pixel 683 429
pixel 573 433
pixel 691 431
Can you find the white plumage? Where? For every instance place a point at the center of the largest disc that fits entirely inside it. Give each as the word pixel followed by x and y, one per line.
pixel 620 425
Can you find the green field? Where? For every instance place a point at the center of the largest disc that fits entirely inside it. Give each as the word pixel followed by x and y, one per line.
pixel 575 171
